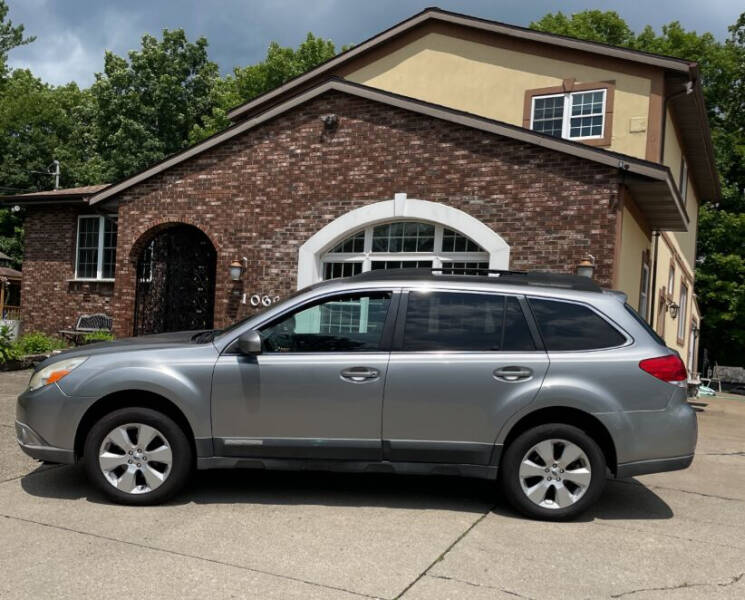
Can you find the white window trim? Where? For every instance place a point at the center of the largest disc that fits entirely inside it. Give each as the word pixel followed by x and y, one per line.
pixel 99 265
pixel 567 116
pixel 401 208
pixel 437 256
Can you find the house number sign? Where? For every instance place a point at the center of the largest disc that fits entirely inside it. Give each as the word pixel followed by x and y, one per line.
pixel 265 300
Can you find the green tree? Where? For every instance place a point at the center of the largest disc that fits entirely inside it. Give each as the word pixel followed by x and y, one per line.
pixel 280 65
pixel 606 27
pixel 38 124
pixel 146 106
pixel 10 37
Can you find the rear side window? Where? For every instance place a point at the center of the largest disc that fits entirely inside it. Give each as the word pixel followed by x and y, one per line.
pixel 457 321
pixel 638 318
pixel 567 326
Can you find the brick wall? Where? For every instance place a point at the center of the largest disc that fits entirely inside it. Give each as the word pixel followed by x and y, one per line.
pixel 265 192
pixel 50 300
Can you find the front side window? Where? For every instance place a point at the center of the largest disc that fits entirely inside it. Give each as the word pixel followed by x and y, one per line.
pixel 96 247
pixel 567 326
pixel 465 322
pixel 573 115
pixel 682 312
pixel 404 245
pixel 349 323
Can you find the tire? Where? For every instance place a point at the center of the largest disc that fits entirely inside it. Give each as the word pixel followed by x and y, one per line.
pixel 117 465
pixel 524 474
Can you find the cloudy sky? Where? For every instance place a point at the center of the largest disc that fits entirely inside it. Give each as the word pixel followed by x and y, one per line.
pixel 73 34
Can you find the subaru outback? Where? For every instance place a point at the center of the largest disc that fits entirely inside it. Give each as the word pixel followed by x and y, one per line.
pixel 544 383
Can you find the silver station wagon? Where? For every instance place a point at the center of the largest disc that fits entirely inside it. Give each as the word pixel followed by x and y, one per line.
pixel 545 383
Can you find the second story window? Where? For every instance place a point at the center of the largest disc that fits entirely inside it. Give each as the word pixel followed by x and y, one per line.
pixel 570 115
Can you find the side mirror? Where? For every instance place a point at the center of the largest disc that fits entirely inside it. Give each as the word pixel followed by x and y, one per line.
pixel 250 342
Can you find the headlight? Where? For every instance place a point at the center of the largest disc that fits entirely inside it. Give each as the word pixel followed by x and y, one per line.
pixel 54 372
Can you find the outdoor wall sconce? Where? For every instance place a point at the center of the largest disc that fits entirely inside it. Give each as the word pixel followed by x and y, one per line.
pixel 237 268
pixel 695 331
pixel 586 267
pixel 674 308
pixel 330 122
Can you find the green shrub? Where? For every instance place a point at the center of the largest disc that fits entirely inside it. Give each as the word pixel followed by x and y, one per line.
pixel 36 342
pixel 97 336
pixel 8 350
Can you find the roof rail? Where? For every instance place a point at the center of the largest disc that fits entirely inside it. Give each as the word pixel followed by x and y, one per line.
pixel 532 278
pixel 473 270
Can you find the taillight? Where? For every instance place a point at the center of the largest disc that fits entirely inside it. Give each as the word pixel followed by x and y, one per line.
pixel 668 368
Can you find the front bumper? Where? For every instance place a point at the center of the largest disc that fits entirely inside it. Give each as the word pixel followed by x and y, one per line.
pixel 36 447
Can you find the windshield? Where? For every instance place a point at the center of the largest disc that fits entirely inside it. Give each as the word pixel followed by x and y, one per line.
pixel 646 325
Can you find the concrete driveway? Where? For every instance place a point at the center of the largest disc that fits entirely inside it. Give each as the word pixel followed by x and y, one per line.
pixel 242 534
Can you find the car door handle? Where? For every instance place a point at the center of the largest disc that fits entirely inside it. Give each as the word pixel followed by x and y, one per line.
pixel 358 374
pixel 512 373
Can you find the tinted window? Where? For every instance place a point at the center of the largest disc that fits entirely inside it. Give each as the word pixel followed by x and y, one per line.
pixel 566 326
pixel 453 321
pixel 644 324
pixel 351 323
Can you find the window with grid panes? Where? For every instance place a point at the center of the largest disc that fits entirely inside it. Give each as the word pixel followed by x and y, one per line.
pixel 573 115
pixel 95 256
pixel 404 245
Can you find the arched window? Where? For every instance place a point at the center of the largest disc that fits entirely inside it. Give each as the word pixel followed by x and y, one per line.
pixel 403 244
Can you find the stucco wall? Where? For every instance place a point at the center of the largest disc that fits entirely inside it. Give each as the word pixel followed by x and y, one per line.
pixel 491 81
pixel 635 240
pixel 666 253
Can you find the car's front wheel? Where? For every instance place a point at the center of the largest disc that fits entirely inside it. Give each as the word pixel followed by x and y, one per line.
pixel 137 456
pixel 553 472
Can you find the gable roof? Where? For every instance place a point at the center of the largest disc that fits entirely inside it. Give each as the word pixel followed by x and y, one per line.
pixel 75 194
pixel 653 185
pixel 689 110
pixel 434 14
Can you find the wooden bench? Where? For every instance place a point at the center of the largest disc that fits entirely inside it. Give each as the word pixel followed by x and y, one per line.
pixel 87 324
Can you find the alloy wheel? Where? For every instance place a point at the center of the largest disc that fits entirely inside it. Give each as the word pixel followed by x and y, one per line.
pixel 135 458
pixel 555 473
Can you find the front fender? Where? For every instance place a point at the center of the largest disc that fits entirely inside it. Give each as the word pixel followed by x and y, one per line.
pixel 186 385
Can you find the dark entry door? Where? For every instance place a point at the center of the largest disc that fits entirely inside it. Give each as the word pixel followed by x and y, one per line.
pixel 175 282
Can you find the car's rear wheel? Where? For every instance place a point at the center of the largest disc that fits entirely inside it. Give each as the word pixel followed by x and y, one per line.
pixel 553 472
pixel 137 456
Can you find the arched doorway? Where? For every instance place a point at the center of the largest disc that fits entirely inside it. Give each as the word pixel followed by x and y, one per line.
pixel 175 281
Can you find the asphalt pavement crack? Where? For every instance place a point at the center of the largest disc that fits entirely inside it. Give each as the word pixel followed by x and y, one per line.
pixel 684 585
pixel 480 585
pixel 672 489
pixel 444 553
pixel 192 556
